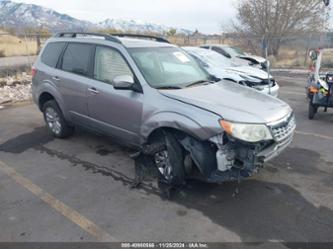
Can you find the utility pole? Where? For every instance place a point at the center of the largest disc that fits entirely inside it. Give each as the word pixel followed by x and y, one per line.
pixel 268 65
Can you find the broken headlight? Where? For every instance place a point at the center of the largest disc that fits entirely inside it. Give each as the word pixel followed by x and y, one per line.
pixel 247 132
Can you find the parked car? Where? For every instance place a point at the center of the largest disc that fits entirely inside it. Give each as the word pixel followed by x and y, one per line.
pixel 154 97
pixel 238 56
pixel 223 68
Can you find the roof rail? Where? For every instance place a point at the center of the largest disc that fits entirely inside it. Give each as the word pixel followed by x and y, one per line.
pixel 151 37
pixel 87 34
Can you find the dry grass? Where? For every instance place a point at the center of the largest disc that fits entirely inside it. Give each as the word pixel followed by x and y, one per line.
pixel 13 46
pixel 290 58
pixel 298 58
pixel 327 60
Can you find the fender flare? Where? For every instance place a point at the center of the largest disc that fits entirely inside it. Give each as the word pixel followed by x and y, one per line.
pixel 175 121
pixel 47 87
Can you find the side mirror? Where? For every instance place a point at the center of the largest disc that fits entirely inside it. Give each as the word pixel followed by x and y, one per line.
pixel 313 55
pixel 123 82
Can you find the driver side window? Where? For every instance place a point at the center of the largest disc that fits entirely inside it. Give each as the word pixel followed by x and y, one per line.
pixel 109 64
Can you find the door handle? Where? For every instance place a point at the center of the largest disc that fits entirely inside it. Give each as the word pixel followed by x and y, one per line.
pixel 56 78
pixel 93 90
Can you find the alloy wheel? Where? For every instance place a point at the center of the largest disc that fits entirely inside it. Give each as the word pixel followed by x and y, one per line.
pixel 53 120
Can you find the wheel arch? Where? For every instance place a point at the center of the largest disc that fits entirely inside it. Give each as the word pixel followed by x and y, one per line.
pixel 43 98
pixel 174 122
pixel 202 154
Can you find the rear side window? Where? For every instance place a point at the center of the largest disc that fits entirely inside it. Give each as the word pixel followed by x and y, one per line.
pixel 77 58
pixel 52 52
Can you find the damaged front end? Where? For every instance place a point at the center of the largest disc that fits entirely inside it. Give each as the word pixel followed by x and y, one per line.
pixel 225 158
pixel 221 158
pixel 236 159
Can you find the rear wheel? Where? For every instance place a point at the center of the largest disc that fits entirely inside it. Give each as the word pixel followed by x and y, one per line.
pixel 55 121
pixel 312 110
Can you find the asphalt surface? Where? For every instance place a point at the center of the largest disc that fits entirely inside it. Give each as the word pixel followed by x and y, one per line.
pixel 79 189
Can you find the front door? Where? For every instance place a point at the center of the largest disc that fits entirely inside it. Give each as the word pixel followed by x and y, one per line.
pixel 116 112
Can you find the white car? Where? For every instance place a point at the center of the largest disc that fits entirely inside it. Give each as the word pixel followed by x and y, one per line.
pixel 223 68
pixel 238 56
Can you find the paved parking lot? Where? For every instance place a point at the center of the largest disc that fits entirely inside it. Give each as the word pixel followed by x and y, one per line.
pixel 79 189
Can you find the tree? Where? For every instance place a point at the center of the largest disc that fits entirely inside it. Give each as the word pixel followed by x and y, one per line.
pixel 275 21
pixel 171 32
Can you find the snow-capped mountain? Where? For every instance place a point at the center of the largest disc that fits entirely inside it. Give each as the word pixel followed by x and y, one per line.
pixel 121 24
pixel 137 25
pixel 21 15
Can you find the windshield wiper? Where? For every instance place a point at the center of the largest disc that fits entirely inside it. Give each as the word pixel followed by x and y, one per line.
pixel 168 87
pixel 198 82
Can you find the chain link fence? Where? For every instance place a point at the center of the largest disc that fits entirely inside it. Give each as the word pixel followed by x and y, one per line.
pixel 20 49
pixel 292 51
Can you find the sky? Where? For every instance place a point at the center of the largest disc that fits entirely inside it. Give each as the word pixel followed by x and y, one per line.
pixel 206 16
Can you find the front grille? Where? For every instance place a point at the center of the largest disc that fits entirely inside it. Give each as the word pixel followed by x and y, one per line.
pixel 272 82
pixel 284 129
pixel 261 83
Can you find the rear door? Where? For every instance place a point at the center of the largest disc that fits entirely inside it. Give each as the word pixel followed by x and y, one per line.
pixel 116 112
pixel 76 66
pixel 47 66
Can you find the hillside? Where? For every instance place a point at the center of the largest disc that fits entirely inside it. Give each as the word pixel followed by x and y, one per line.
pixel 21 15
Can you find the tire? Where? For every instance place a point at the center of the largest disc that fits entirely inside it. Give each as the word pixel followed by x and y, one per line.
pixel 169 160
pixel 55 120
pixel 312 110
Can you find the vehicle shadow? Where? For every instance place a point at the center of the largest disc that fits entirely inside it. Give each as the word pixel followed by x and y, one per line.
pixel 261 211
pixel 23 142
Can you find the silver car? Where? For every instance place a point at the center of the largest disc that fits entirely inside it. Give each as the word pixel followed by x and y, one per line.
pixel 153 96
pixel 224 68
pixel 238 56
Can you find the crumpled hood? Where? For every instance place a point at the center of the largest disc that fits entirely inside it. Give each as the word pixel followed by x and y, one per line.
pixel 250 71
pixel 253 57
pixel 232 102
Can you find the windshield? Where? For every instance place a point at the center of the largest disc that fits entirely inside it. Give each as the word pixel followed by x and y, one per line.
pixel 211 58
pixel 234 51
pixel 167 67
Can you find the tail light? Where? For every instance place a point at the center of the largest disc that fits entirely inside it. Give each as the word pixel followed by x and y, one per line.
pixel 33 72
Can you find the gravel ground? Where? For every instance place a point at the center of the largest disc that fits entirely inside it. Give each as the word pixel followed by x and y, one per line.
pixel 15 88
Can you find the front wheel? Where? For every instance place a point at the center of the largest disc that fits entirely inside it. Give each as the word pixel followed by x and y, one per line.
pixel 55 120
pixel 169 160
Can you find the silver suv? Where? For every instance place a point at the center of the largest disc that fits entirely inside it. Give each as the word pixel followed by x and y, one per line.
pixel 152 95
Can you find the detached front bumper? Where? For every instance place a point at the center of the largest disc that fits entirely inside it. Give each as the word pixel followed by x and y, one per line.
pixel 237 160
